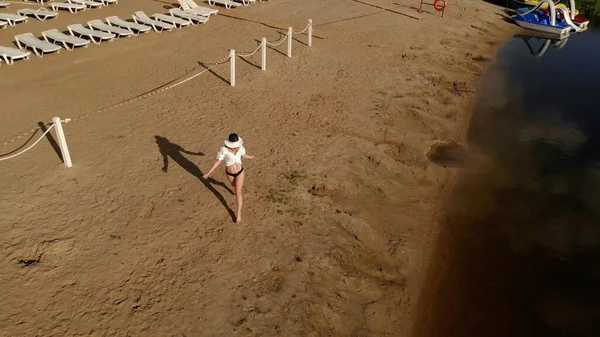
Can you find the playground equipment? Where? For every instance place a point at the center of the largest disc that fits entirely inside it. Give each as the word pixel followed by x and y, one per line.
pixel 536 19
pixel 570 16
pixel 532 3
pixel 546 17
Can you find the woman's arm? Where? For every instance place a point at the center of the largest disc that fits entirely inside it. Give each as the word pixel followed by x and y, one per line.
pixel 215 165
pixel 247 156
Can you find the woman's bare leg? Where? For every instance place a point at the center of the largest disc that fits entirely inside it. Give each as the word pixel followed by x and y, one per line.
pixel 239 183
pixel 231 181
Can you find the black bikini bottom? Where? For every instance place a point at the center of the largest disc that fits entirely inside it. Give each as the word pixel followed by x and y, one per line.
pixel 235 174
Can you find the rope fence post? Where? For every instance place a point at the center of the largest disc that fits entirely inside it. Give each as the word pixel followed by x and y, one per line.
pixel 310 32
pixel 232 67
pixel 289 37
pixel 62 141
pixel 263 52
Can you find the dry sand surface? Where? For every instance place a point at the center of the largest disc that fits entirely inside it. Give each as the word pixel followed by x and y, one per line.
pixel 339 203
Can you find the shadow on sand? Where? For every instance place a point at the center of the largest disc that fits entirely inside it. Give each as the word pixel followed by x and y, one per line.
pixel 175 152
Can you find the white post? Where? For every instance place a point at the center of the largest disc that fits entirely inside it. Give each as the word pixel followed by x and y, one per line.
pixel 289 51
pixel 310 32
pixel 62 141
pixel 232 67
pixel 263 63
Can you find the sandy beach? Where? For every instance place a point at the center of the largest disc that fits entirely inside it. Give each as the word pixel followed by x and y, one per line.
pixel 340 202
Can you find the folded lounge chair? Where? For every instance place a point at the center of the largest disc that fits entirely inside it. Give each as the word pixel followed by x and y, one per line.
pixel 136 28
pixel 195 9
pixel 9 54
pixel 177 22
pixel 141 18
pixel 4 4
pixel 98 25
pixel 38 46
pixel 66 6
pixel 227 3
pixel 187 15
pixel 68 42
pixel 87 3
pixel 41 13
pixel 12 19
pixel 95 36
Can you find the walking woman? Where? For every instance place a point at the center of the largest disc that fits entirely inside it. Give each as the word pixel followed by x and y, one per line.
pixel 232 153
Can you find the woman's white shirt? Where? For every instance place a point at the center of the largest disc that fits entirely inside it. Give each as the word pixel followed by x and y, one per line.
pixel 229 157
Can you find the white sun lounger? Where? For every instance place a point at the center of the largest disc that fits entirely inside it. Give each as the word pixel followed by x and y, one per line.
pixel 177 22
pixel 38 46
pixel 187 15
pixel 41 13
pixel 98 25
pixel 136 28
pixel 68 42
pixel 9 54
pixel 87 3
pixel 141 18
pixel 3 24
pixel 4 4
pixel 246 2
pixel 66 6
pixel 95 36
pixel 12 19
pixel 226 3
pixel 108 2
pixel 195 9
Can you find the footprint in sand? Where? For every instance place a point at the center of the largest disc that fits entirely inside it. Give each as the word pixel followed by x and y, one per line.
pixel 459 44
pixel 482 30
pixel 447 154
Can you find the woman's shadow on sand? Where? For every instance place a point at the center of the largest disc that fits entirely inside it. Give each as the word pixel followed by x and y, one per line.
pixel 175 152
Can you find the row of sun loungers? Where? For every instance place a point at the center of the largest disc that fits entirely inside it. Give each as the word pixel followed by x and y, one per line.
pixel 189 11
pixel 22 14
pixel 74 6
pixel 98 25
pixel 88 3
pixel 98 31
pixel 189 6
pixel 227 3
pixel 232 4
pixel 43 13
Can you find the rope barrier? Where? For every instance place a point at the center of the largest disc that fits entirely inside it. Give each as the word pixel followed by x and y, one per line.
pixel 305 29
pixel 31 146
pixel 136 98
pixel 25 133
pixel 275 44
pixel 211 65
pixel 155 91
pixel 163 88
pixel 223 60
pixel 249 54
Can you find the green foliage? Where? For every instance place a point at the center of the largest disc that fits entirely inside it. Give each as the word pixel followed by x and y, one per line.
pixel 589 8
